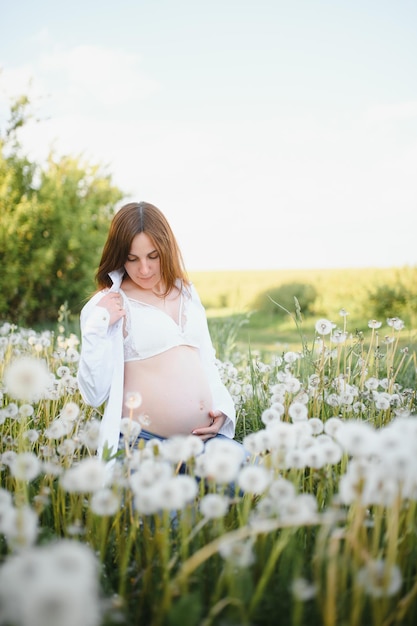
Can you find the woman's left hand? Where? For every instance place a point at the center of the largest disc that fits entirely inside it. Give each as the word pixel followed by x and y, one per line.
pixel 208 432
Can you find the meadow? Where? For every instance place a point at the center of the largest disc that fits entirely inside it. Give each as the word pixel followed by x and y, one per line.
pixel 318 528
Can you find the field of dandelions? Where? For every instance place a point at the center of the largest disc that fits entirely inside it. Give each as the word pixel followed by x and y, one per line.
pixel 318 527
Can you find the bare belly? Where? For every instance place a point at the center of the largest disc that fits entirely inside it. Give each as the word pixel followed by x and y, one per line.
pixel 176 396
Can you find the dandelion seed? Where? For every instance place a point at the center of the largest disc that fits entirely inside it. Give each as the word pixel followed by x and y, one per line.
pixel 105 502
pixel 374 324
pixel 343 313
pixel 324 327
pixel 339 337
pixel 25 466
pixel 26 410
pixel 303 590
pixel 395 323
pixel 292 385
pixel 70 411
pixel 89 475
pixel 380 579
pixel 291 357
pixel 298 411
pixel 357 438
pixel 372 383
pixel 51 584
pixel 20 527
pixel 130 429
pixel 269 415
pixel 214 506
pixel 27 379
pixel 133 400
pixel 254 479
pixel 239 554
pixel 316 425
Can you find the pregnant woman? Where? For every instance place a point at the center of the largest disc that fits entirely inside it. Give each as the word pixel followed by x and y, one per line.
pixel 145 332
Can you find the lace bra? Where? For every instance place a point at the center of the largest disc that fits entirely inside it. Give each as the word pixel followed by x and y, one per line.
pixel 151 331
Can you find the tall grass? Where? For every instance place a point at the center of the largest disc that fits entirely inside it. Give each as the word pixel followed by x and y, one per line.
pixel 319 527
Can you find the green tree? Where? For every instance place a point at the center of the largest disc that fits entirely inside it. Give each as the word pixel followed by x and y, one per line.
pixel 54 220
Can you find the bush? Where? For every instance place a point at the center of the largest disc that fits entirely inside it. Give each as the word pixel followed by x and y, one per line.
pixel 268 301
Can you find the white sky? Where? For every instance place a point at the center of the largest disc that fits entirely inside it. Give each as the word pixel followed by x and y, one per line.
pixel 272 133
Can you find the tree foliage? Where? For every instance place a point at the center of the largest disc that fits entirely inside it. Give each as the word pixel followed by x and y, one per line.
pixel 54 220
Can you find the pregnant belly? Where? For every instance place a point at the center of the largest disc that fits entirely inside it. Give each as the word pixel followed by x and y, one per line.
pixel 176 396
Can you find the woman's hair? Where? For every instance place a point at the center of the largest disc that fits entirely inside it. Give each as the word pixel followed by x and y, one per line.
pixel 129 221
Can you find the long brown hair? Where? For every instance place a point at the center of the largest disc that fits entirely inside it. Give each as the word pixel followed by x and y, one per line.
pixel 129 221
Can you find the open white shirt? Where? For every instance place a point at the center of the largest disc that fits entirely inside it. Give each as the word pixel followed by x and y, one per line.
pixel 101 367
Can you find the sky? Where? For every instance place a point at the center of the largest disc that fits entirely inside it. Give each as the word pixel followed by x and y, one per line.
pixel 272 133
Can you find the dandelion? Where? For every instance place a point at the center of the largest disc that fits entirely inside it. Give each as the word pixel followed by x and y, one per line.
pixel 88 475
pixel 89 436
pixel 270 415
pixel 339 337
pixel 324 327
pixel 20 527
pixel 104 502
pixel 357 438
pixel 395 323
pixel 239 554
pixel 214 506
pixel 70 411
pixel 133 400
pixel 223 460
pixel 51 584
pixel 25 466
pixel 130 429
pixel 292 385
pixel 26 410
pixel 254 479
pixel 298 411
pixel 303 590
pixel 316 425
pixel 27 378
pixel 291 357
pixel 374 324
pixel 380 579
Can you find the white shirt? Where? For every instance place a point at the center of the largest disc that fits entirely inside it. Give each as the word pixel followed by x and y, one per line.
pixel 101 367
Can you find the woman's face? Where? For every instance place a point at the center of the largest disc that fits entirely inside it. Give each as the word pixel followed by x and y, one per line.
pixel 143 264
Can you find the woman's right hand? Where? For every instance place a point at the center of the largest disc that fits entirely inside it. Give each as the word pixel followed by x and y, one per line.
pixel 113 303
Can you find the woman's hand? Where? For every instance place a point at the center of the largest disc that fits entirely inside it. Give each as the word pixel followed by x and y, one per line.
pixel 208 432
pixel 113 303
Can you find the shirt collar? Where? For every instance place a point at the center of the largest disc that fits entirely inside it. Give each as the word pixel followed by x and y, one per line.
pixel 116 277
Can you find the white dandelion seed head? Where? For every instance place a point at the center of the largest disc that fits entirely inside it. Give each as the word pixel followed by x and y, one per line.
pixel 105 502
pixel 51 584
pixel 324 326
pixel 130 429
pixel 88 476
pixel 298 411
pixel 133 399
pixel 214 506
pixel 380 579
pixel 70 411
pixel 316 425
pixel 396 323
pixel 254 479
pixel 291 357
pixel 374 324
pixel 303 590
pixel 357 438
pixel 26 379
pixel 270 415
pixel 20 527
pixel 237 553
pixel 26 466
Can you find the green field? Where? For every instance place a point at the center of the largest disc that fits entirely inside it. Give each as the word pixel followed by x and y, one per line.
pixel 231 294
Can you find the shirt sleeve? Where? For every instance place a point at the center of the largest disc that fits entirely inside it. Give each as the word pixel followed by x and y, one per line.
pixel 222 399
pixel 95 368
